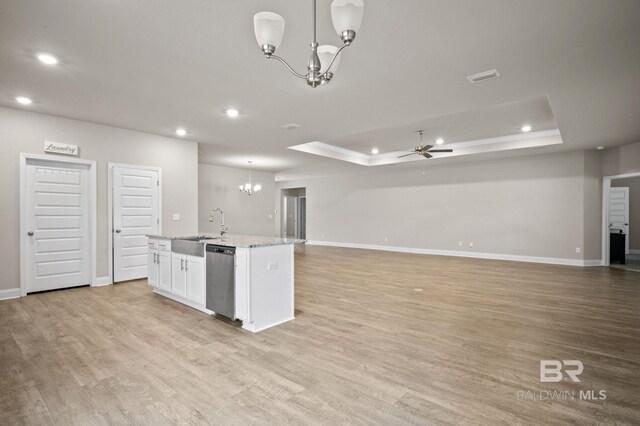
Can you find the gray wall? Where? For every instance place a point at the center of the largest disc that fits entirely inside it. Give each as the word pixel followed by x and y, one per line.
pixel 528 206
pixel 634 209
pixel 218 187
pixel 26 132
pixel 592 205
pixel 621 160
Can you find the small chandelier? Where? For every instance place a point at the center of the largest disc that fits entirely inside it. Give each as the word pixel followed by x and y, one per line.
pixel 250 188
pixel 347 18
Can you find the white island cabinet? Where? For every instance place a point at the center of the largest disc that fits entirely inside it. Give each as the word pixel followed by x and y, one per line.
pixel 263 284
pixel 160 264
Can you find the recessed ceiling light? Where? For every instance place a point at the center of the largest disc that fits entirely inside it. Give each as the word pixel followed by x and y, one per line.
pixel 375 151
pixel 24 100
pixel 181 132
pixel 526 128
pixel 600 148
pixel 439 141
pixel 47 59
pixel 232 112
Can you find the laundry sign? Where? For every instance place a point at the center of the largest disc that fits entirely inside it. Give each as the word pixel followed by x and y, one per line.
pixel 60 148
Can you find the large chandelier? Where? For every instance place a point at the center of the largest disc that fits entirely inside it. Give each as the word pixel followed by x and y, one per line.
pixel 324 60
pixel 250 188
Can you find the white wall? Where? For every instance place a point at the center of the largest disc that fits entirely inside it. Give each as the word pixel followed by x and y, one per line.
pixel 249 215
pixel 524 206
pixel 22 131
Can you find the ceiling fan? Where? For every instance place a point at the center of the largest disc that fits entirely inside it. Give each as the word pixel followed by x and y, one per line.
pixel 425 150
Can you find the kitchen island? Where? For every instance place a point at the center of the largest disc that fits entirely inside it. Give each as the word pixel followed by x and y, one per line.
pixel 249 278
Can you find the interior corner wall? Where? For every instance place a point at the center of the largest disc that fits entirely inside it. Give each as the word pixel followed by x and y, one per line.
pixel 634 209
pixel 523 206
pixel 250 215
pixel 25 132
pixel 621 160
pixel 592 205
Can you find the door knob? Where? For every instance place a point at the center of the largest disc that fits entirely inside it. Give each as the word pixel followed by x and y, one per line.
pixel 118 231
pixel 30 233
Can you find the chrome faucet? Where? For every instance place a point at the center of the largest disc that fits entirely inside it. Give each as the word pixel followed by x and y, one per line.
pixel 223 227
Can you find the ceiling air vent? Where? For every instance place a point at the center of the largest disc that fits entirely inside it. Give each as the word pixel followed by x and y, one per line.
pixel 290 126
pixel 487 75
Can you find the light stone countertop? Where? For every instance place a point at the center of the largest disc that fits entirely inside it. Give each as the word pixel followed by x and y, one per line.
pixel 231 240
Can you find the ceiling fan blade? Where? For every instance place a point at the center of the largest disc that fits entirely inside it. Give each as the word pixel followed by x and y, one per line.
pixel 427 155
pixel 440 150
pixel 427 147
pixel 406 155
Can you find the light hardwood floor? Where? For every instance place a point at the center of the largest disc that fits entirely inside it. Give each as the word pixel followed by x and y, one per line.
pixel 365 348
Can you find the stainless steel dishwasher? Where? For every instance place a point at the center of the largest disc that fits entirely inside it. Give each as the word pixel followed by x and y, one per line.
pixel 221 280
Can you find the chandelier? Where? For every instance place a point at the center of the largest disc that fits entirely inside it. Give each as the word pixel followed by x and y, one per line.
pixel 324 60
pixel 250 188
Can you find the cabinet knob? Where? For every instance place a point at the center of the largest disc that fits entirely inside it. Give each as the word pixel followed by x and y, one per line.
pixel 118 231
pixel 30 233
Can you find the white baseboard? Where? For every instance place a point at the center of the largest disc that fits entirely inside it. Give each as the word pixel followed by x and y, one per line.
pixel 10 293
pixel 493 256
pixel 100 281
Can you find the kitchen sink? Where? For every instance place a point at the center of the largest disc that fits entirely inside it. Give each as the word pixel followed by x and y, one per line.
pixel 191 246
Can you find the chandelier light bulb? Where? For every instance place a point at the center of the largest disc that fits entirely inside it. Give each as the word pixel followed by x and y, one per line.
pixel 347 15
pixel 269 29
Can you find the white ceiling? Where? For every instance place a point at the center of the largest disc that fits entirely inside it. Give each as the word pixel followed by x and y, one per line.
pixel 154 65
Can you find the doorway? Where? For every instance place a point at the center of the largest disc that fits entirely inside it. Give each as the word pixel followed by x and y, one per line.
pixel 294 213
pixel 621 222
pixel 134 206
pixel 57 223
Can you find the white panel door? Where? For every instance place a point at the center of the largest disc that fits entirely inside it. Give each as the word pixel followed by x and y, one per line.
pixel 58 248
pixel 135 214
pixel 619 211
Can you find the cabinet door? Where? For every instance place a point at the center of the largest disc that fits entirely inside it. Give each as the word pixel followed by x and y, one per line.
pixel 164 270
pixel 152 277
pixel 195 280
pixel 178 275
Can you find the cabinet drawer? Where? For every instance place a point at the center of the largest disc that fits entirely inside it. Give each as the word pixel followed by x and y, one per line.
pixel 153 244
pixel 164 245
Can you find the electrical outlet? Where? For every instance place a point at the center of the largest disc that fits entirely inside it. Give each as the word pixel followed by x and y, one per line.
pixel 578 250
pixel 322 236
pixel 470 244
pixel 272 266
pixel 386 239
pixel 176 216
pixel 459 243
pixel 270 216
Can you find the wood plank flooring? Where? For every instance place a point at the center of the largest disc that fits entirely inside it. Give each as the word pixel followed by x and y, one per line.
pixel 365 348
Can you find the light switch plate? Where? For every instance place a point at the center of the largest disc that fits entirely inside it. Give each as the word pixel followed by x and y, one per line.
pixel 176 216
pixel 272 266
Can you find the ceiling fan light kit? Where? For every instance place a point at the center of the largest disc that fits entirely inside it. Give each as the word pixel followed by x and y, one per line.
pixel 347 18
